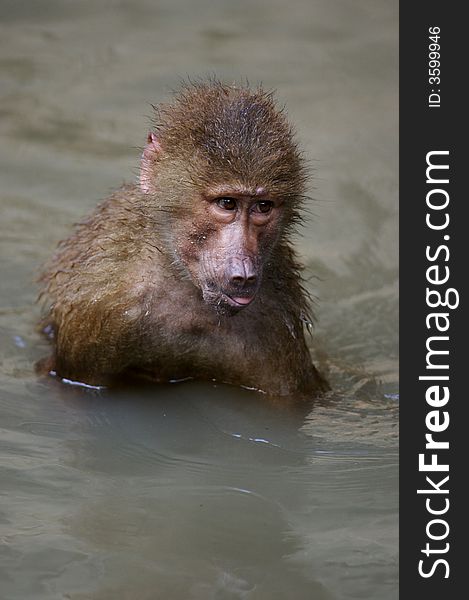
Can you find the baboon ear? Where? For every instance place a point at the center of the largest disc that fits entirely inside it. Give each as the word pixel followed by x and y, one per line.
pixel 150 156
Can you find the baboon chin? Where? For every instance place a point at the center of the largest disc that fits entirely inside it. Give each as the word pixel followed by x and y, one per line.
pixel 191 272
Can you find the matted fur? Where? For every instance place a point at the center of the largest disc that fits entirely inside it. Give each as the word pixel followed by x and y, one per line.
pixel 120 300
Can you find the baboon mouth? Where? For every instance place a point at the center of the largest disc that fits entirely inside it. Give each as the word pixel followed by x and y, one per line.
pixel 228 303
pixel 238 301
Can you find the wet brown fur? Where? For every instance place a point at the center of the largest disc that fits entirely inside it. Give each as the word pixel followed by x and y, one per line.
pixel 123 292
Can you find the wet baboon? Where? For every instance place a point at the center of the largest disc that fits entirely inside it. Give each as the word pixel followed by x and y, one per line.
pixel 191 273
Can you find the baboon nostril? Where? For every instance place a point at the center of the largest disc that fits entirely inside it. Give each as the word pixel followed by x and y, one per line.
pixel 241 271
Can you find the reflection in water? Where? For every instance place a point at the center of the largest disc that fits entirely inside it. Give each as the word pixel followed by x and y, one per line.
pixel 194 493
pixel 193 490
pixel 204 491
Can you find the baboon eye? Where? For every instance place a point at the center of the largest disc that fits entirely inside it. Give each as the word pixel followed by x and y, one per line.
pixel 264 206
pixel 227 203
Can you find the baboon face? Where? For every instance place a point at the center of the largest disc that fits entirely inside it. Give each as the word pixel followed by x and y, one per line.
pixel 229 237
pixel 223 165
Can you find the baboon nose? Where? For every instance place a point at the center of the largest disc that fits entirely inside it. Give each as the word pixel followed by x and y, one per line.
pixel 241 271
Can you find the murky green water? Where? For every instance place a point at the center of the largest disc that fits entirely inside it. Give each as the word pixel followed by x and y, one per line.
pixel 194 491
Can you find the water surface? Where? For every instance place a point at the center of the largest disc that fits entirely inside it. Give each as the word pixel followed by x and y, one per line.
pixel 195 490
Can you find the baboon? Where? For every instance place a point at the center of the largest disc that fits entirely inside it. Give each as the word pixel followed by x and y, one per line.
pixel 191 273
